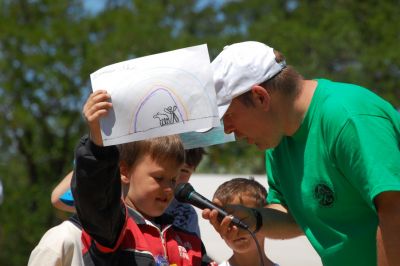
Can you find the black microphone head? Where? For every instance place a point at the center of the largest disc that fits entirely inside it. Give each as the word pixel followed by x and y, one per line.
pixel 182 191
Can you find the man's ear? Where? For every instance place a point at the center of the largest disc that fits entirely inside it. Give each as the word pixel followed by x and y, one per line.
pixel 261 97
pixel 123 169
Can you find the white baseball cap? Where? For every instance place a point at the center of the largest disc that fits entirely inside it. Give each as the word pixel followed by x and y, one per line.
pixel 239 67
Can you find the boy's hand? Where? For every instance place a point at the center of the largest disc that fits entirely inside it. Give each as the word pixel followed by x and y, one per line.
pixel 96 106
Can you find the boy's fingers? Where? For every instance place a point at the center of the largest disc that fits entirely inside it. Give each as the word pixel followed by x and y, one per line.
pixel 97 96
pixel 93 110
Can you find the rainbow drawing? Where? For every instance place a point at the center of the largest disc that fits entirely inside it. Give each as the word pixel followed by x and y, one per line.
pixel 171 109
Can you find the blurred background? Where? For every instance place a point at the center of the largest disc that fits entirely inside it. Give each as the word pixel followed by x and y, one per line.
pixel 49 48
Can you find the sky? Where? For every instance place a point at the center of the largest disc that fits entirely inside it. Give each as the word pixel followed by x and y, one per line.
pixel 93 6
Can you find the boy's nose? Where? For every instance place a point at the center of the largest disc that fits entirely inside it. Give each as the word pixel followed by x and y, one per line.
pixel 169 186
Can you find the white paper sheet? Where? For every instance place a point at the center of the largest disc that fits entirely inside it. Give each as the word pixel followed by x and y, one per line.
pixel 158 95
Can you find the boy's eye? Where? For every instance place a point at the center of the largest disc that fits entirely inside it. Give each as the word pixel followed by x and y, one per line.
pixel 158 178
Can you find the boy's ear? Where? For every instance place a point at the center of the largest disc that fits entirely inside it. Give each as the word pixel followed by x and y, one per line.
pixel 261 97
pixel 123 169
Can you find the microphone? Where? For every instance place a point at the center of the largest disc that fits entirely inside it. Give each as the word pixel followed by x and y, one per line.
pixel 184 192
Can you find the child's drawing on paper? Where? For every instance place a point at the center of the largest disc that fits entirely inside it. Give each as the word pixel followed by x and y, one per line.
pixel 162 94
pixel 168 110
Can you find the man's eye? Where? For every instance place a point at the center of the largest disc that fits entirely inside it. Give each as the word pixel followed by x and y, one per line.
pixel 158 178
pixel 227 115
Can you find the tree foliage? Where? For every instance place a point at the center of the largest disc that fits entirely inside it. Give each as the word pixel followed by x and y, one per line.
pixel 49 48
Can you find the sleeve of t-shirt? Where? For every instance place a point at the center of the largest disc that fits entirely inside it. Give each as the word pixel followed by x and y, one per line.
pixel 48 256
pixel 67 198
pixel 274 195
pixel 367 151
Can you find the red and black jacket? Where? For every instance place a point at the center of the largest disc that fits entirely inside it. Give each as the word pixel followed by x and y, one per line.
pixel 114 234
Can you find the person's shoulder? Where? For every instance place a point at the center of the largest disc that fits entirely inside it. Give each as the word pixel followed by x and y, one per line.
pixel 334 103
pixel 59 237
pixel 63 232
pixel 347 100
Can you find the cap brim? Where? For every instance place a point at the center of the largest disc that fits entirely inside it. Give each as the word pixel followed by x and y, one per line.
pixel 222 109
pixel 203 130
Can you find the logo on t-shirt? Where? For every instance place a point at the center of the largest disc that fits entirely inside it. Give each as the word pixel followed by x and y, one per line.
pixel 324 195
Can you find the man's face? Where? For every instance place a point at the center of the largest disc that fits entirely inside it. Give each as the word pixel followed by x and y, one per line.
pixel 251 123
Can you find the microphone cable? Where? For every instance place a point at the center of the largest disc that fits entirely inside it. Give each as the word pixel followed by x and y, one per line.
pixel 260 254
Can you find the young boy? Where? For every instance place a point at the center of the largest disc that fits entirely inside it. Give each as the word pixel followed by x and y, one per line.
pixel 133 231
pixel 249 193
pixel 184 214
pixel 61 245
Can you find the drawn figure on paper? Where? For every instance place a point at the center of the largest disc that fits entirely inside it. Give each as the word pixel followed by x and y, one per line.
pixel 167 118
pixel 159 107
pixel 173 117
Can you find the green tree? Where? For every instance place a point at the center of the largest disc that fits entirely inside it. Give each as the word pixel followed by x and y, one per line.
pixel 41 87
pixel 47 51
pixel 349 41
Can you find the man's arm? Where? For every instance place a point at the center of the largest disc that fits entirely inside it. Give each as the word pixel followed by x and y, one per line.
pixel 276 221
pixel 388 234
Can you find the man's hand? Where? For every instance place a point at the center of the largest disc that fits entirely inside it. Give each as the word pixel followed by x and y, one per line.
pixel 277 223
pixel 388 235
pixel 96 106
pixel 227 231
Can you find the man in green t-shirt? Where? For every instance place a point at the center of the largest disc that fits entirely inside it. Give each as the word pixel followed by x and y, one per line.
pixel 332 156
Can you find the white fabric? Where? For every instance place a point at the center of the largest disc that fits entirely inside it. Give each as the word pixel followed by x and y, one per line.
pixel 239 67
pixel 59 246
pixel 224 263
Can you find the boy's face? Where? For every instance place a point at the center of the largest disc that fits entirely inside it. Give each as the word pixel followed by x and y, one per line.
pixel 151 186
pixel 244 243
pixel 185 173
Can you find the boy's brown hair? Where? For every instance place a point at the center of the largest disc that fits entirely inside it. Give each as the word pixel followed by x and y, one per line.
pixel 162 149
pixel 237 187
pixel 194 156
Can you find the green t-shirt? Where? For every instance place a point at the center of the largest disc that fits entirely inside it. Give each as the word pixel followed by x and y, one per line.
pixel 346 151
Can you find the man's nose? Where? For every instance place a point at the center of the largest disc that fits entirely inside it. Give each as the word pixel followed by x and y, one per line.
pixel 228 127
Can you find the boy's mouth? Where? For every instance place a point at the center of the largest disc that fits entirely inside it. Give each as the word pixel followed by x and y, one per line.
pixel 240 239
pixel 164 199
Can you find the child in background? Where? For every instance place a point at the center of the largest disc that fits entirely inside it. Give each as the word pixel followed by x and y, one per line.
pixel 133 231
pixel 249 193
pixel 61 197
pixel 59 246
pixel 185 216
